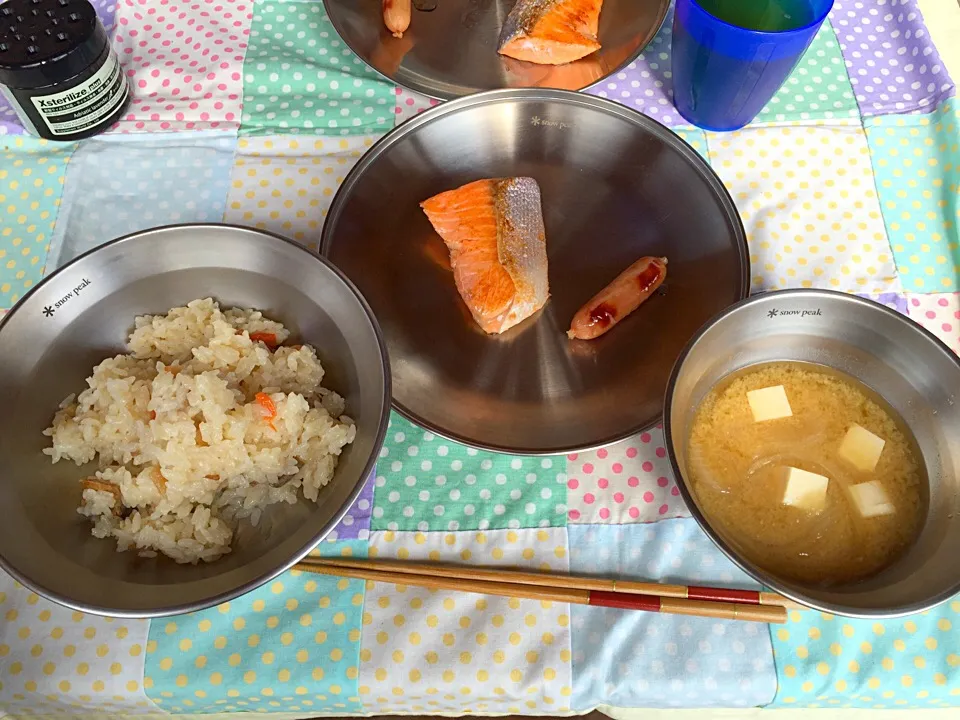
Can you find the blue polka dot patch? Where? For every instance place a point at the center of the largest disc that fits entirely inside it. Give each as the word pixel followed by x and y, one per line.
pixel 119 184
pixel 916 159
pixel 627 658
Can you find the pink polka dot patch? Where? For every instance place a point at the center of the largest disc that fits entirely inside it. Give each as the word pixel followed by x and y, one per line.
pixel 184 62
pixel 411 103
pixel 939 313
pixel 630 482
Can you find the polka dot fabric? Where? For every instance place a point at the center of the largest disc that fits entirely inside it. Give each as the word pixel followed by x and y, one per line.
pixel 355 524
pixel 697 139
pixel 54 661
pixel 301 78
pixel 183 59
pixel 808 202
pixel 410 103
pixel 428 483
pixel 894 301
pixel 9 122
pixel 916 159
pixel 645 660
pixel 628 482
pixel 31 184
pixel 286 184
pixel 940 314
pixel 107 11
pixel 291 645
pixel 892 63
pixel 426 651
pixel 646 83
pixel 817 89
pixel 827 661
pixel 120 185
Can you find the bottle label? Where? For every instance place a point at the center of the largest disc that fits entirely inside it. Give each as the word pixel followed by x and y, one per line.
pixel 85 105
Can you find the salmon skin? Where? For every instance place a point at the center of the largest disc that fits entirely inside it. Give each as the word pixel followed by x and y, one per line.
pixel 494 232
pixel 551 32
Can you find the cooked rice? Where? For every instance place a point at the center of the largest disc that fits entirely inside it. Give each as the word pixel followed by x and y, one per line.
pixel 182 431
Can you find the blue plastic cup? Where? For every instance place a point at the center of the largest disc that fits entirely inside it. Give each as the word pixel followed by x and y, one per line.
pixel 723 75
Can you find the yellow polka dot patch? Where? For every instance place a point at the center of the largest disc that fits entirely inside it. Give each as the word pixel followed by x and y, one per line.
pixel 56 661
pixel 827 661
pixel 286 184
pixel 426 651
pixel 31 184
pixel 917 164
pixel 809 206
pixel 292 645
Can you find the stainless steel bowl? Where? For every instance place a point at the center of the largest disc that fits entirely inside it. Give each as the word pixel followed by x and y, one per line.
pixel 82 314
pixel 895 357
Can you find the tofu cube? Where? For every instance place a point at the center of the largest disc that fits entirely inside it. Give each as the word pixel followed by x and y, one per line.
pixel 805 490
pixel 861 448
pixel 769 403
pixel 871 499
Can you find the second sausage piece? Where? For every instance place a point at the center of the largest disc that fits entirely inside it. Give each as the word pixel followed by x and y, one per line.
pixel 618 299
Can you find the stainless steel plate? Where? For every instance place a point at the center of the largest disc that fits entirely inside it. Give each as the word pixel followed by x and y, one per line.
pixel 616 186
pixel 451 51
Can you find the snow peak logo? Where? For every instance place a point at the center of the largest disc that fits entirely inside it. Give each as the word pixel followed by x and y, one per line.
pixel 49 310
pixel 794 313
pixel 540 122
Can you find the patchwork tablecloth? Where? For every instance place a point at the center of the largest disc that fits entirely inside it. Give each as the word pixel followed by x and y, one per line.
pixel 251 112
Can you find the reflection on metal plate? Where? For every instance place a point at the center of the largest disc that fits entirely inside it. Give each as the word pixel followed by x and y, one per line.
pixel 450 49
pixel 615 186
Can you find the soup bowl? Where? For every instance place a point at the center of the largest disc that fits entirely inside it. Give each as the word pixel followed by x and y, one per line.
pixel 82 314
pixel 890 354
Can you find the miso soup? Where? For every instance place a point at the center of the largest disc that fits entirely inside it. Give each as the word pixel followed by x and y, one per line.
pixel 810 474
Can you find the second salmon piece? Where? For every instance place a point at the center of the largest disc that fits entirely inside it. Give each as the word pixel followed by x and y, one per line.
pixel 494 232
pixel 551 32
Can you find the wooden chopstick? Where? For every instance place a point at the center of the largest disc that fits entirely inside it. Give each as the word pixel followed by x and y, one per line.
pixel 686 592
pixel 579 596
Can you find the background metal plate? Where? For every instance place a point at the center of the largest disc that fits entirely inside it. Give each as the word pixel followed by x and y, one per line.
pixel 616 186
pixel 451 51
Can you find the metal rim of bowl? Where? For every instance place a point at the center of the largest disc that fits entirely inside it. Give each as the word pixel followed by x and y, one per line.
pixel 664 10
pixel 301 552
pixel 493 96
pixel 705 525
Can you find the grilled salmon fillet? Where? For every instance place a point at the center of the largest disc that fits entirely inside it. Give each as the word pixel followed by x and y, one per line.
pixel 551 32
pixel 494 232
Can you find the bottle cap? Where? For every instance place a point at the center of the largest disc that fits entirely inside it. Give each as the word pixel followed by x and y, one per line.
pixel 46 42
